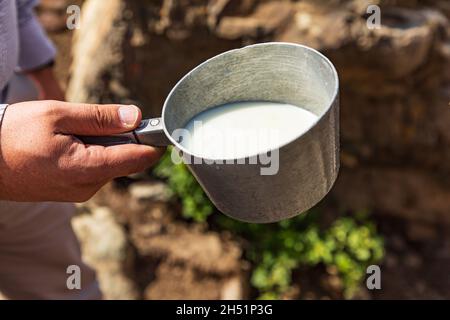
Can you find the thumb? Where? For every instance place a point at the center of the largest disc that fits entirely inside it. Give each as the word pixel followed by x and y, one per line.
pixel 92 119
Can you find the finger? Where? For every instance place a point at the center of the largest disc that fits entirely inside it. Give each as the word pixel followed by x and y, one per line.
pixel 105 163
pixel 93 119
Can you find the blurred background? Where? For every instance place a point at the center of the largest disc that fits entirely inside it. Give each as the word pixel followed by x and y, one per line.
pixel 156 236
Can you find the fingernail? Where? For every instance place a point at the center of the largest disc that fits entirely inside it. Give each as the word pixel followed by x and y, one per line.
pixel 128 115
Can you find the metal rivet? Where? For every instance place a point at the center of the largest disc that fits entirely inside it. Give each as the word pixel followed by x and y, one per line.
pixel 154 122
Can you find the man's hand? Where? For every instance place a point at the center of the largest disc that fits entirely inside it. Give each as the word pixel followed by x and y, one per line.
pixel 41 160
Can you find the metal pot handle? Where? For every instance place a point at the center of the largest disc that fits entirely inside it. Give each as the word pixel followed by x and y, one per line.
pixel 149 132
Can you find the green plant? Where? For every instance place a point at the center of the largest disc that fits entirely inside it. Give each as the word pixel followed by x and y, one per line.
pixel 349 245
pixel 195 203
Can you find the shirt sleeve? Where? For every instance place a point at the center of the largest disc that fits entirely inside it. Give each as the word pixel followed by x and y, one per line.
pixel 35 49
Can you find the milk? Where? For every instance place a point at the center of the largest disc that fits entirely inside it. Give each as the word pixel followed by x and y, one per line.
pixel 243 129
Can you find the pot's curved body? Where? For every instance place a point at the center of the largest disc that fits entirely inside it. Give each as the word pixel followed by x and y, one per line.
pixel 307 166
pixel 296 175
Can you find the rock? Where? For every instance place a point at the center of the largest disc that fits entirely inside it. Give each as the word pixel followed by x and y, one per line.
pixel 214 10
pixel 348 160
pixel 150 191
pixel 237 27
pixel 105 248
pixel 411 194
pixel 182 245
pixel 397 49
pixel 362 294
pixel 360 6
pixel 232 289
pixel 273 15
pixel 403 42
pixel 312 27
pixel 188 263
pixel 421 232
pixel 334 283
pixel 89 73
pixel 444 5
pixel 391 261
pixel 398 243
pixel 265 20
pixel 412 260
pixel 178 282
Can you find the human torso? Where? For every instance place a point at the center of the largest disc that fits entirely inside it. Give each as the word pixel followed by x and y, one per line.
pixel 9 45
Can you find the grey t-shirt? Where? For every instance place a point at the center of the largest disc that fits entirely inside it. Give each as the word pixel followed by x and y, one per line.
pixel 23 43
